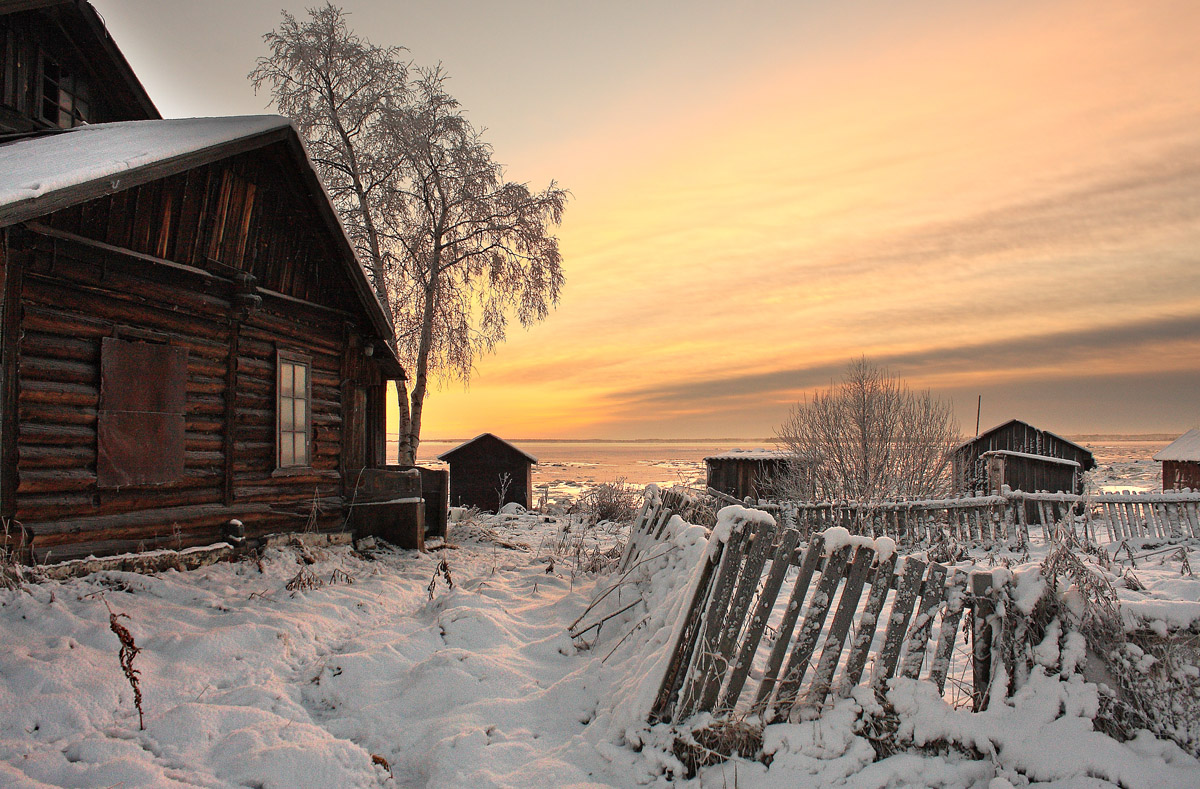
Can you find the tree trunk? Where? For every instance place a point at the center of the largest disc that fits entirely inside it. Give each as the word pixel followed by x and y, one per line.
pixel 407 453
pixel 421 374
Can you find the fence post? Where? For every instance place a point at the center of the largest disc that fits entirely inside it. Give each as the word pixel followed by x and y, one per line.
pixel 983 614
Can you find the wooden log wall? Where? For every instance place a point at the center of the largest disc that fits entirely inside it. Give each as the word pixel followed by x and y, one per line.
pixel 72 295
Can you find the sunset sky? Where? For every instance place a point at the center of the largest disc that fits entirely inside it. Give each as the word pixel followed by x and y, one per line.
pixel 997 199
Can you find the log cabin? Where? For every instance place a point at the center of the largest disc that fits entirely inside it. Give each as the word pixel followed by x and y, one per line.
pixel 187 339
pixel 59 68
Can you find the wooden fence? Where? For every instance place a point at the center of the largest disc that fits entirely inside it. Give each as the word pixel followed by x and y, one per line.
pixel 1005 516
pixel 724 663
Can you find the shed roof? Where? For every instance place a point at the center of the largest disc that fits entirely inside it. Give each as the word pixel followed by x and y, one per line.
pixel 1089 463
pixel 446 455
pixel 46 171
pixel 1030 456
pixel 752 454
pixel 1185 448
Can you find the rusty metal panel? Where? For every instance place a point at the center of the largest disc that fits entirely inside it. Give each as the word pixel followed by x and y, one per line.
pixel 142 376
pixel 140 425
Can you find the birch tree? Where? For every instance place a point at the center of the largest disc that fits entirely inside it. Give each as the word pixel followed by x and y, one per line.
pixel 869 438
pixel 452 247
pixel 473 246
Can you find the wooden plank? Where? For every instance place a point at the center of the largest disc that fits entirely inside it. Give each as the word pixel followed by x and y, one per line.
pixel 906 596
pixel 10 355
pixel 831 653
pixel 918 636
pixel 706 659
pixel 759 543
pixel 808 566
pixel 956 599
pixel 983 628
pixel 782 559
pixel 864 630
pixel 667 701
pixel 806 642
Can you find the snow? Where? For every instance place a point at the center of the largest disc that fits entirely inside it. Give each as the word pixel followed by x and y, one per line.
pixel 480 684
pixel 1030 456
pixel 1185 448
pixel 751 454
pixel 38 166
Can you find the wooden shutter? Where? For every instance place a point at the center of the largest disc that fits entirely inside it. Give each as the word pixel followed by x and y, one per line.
pixel 140 425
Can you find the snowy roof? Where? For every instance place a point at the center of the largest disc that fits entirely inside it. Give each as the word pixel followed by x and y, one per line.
pixel 751 454
pixel 450 452
pixel 44 172
pixel 1186 447
pixel 36 170
pixel 1030 456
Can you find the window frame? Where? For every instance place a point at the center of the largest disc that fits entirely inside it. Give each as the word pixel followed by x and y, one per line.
pixel 67 84
pixel 282 358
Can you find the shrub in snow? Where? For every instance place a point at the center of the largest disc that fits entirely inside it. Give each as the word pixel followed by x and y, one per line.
pixel 615 501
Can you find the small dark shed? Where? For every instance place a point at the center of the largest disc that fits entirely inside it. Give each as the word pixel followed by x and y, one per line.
pixel 488 472
pixel 1022 457
pixel 747 472
pixel 1181 462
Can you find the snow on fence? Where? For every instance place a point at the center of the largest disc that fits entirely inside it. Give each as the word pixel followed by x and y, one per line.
pixel 1005 516
pixel 724 664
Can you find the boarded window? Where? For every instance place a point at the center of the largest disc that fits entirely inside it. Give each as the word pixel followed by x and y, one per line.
pixel 140 425
pixel 294 433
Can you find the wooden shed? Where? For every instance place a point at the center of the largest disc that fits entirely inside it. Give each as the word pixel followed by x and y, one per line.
pixel 1181 462
pixel 187 338
pixel 1022 457
pixel 487 472
pixel 748 472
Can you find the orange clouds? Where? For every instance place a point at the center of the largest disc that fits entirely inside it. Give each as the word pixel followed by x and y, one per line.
pixel 998 174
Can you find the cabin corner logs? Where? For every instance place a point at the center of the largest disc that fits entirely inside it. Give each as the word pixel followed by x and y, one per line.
pixel 141 343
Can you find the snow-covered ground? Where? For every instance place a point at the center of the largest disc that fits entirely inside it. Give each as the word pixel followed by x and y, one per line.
pixel 387 675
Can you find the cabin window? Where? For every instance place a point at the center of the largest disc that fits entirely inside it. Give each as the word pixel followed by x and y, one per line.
pixel 64 96
pixel 295 432
pixel 140 422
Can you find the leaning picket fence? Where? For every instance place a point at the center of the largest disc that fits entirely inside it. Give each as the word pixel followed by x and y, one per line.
pixel 856 613
pixel 909 620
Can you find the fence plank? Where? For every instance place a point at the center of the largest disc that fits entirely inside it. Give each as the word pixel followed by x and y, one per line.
pixel 706 660
pixel 810 631
pixel 906 597
pixel 681 656
pixel 780 562
pixel 932 595
pixel 808 566
pixel 955 602
pixel 864 630
pixel 836 639
pixel 759 543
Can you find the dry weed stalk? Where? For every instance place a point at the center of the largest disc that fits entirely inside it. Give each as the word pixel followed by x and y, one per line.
pixel 303 581
pixel 442 568
pixel 129 650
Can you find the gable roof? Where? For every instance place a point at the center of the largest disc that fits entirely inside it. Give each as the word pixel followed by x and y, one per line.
pixel 83 26
pixel 1185 448
pixel 446 455
pixel 1089 461
pixel 46 171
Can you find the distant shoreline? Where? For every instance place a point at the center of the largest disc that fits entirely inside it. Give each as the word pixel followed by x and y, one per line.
pixel 771 440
